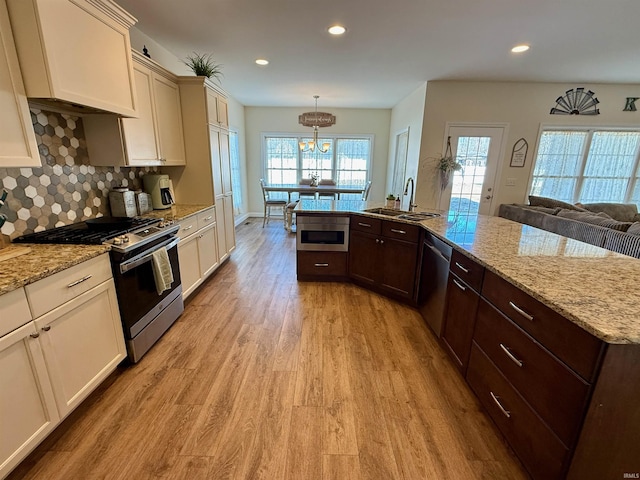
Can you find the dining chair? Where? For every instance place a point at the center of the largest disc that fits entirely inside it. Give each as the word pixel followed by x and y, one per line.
pixel 309 195
pixel 365 192
pixel 327 195
pixel 270 203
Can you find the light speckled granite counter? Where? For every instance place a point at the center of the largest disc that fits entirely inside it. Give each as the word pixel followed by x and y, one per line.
pixel 177 212
pixel 593 287
pixel 42 261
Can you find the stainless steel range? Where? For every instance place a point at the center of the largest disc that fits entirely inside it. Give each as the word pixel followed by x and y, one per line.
pixel 146 314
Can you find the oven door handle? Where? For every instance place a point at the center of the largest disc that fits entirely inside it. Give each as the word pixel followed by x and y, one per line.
pixel 144 257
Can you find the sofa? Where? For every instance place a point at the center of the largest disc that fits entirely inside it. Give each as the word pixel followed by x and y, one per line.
pixel 614 226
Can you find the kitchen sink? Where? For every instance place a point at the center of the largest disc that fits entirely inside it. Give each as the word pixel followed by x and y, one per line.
pixel 386 211
pixel 418 216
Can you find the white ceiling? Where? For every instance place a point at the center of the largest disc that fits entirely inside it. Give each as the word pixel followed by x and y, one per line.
pixel 393 46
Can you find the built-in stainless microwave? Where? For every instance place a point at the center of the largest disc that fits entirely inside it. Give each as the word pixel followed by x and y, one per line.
pixel 322 233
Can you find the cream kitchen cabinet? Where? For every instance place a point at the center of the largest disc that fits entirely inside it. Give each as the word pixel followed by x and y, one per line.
pixel 50 364
pixel 18 146
pixel 217 109
pixel 155 138
pixel 197 250
pixel 27 406
pixel 207 176
pixel 76 51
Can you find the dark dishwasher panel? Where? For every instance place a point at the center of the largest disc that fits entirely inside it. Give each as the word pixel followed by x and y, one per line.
pixel 433 281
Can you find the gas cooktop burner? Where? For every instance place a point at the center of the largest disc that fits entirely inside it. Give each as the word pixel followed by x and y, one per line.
pixel 122 233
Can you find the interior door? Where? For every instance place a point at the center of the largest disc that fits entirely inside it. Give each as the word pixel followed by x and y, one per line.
pixel 471 189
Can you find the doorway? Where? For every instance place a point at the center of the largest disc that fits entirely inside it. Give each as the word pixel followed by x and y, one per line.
pixel 478 148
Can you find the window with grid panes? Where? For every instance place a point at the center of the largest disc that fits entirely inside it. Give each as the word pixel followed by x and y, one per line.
pixel 347 161
pixel 588 166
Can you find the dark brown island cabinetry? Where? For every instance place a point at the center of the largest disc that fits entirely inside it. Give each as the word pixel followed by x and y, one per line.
pixel 383 255
pixel 321 266
pixel 463 285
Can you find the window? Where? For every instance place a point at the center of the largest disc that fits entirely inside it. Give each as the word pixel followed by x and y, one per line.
pixel 236 185
pixel 347 161
pixel 588 166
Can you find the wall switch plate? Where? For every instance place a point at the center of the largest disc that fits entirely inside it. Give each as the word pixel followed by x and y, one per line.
pixel 511 182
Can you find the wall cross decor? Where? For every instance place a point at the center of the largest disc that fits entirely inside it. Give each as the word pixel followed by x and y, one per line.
pixel 576 102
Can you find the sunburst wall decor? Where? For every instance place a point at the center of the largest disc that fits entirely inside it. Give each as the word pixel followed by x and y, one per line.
pixel 576 102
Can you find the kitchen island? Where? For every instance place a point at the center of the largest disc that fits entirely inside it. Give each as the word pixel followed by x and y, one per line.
pixel 560 378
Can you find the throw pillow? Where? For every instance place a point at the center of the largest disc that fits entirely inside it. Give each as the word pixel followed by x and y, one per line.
pixel 634 229
pixel 593 219
pixel 550 211
pixel 623 212
pixel 551 203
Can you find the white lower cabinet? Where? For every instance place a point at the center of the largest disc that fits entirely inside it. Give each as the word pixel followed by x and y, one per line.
pixel 197 250
pixel 83 343
pixel 27 405
pixel 50 364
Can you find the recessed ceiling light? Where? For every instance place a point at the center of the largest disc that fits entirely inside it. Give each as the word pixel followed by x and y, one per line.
pixel 262 61
pixel 520 48
pixel 336 30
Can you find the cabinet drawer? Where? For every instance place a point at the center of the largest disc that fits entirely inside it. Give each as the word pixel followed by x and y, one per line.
pixel 573 345
pixel 188 226
pixel 322 264
pixel 53 291
pixel 556 393
pixel 366 224
pixel 206 217
pixel 401 231
pixel 467 270
pixel 14 311
pixel 541 452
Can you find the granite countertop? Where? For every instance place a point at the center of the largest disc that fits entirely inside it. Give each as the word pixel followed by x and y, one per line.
pixel 42 261
pixel 593 287
pixel 177 212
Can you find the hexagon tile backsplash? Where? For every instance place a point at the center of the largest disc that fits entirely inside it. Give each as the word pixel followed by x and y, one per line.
pixel 66 189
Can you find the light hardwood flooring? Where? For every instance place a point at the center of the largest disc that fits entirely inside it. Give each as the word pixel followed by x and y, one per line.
pixel 264 377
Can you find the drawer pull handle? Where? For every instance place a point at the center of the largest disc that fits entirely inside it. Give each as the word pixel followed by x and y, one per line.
pixel 34 335
pixel 186 229
pixel 496 399
pixel 46 328
pixel 83 279
pixel 511 355
pixel 402 232
pixel 465 270
pixel 206 219
pixel 521 312
pixel 459 285
pixel 364 224
pixel 321 264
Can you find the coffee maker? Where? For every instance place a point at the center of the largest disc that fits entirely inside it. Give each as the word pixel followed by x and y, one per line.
pixel 158 186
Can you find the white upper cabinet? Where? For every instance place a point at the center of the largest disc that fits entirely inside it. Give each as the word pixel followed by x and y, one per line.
pixel 155 138
pixel 18 146
pixel 76 51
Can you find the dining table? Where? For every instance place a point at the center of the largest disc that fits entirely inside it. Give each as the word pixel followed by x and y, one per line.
pixel 317 189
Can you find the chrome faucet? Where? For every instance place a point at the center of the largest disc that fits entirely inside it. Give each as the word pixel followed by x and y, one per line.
pixel 406 189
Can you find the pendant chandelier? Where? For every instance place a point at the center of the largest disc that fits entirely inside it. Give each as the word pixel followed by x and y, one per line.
pixel 311 145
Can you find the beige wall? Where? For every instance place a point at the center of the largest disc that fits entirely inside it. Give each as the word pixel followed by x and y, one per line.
pixel 348 121
pixel 524 107
pixel 408 113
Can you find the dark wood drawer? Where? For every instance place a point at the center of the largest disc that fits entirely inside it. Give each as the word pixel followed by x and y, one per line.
pixel 573 345
pixel 467 270
pixel 366 224
pixel 554 391
pixel 401 231
pixel 321 264
pixel 541 452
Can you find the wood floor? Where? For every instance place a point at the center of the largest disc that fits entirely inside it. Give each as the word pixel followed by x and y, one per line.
pixel 264 377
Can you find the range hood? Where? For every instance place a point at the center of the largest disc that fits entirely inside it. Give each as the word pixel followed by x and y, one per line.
pixel 75 55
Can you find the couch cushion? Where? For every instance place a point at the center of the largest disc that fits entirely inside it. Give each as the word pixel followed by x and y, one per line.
pixel 551 203
pixel 593 219
pixel 622 242
pixel 623 212
pixel 550 211
pixel 634 229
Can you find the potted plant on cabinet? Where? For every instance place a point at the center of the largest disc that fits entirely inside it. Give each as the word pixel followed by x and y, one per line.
pixel 203 65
